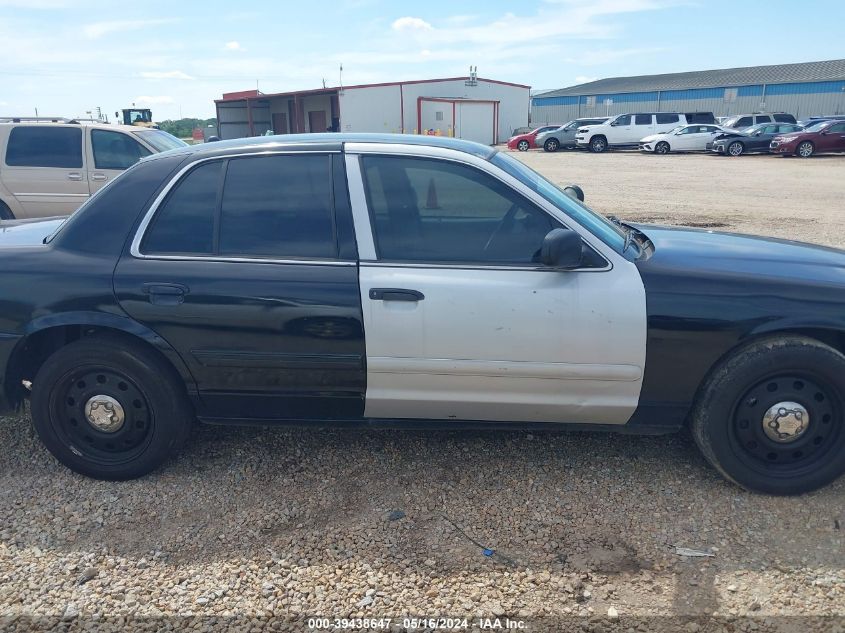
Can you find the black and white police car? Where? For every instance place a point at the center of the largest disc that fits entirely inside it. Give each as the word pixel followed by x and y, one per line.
pixel 401 280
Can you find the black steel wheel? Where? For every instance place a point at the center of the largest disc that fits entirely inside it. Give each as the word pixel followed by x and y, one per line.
pixel 109 408
pixel 772 416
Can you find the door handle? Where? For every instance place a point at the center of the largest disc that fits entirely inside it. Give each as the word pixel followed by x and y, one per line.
pixel 99 177
pixel 74 175
pixel 395 294
pixel 165 293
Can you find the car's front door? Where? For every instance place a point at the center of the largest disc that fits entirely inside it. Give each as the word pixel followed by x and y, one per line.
pixel 44 169
pixel 833 138
pixel 247 267
pixel 462 322
pixel 109 154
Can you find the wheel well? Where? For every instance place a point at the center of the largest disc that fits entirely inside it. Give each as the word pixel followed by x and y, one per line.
pixel 6 212
pixel 31 353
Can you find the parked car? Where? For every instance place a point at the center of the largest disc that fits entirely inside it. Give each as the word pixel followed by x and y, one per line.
pixel 742 121
pixel 818 119
pixel 754 139
pixel 524 142
pixel 564 136
pixel 626 130
pixel 684 138
pixel 821 138
pixel 49 167
pixel 521 130
pixel 310 278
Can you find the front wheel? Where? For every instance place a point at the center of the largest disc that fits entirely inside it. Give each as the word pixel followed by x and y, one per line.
pixel 598 144
pixel 805 149
pixel 522 146
pixel 661 148
pixel 109 408
pixel 736 148
pixel 771 417
pixel 551 145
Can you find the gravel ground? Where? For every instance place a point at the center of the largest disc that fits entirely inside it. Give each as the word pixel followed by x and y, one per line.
pixel 262 528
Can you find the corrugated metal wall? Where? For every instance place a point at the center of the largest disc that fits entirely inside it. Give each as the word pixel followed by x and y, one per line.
pixel 233 119
pixel 800 99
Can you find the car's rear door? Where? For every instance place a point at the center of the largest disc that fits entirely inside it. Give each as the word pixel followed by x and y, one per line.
pixel 44 169
pixel 247 267
pixel 109 154
pixel 834 139
pixel 462 322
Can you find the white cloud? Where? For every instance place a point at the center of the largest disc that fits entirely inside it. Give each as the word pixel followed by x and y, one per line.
pixel 99 29
pixel 410 24
pixel 581 79
pixel 165 74
pixel 233 46
pixel 153 100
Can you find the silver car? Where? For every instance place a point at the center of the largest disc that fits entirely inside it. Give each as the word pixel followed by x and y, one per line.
pixel 564 136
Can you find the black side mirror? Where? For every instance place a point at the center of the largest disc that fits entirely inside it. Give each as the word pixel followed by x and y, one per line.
pixel 574 191
pixel 561 249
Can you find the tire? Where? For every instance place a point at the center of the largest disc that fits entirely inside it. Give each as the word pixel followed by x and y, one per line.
pixel 156 418
pixel 598 144
pixel 730 425
pixel 551 145
pixel 6 212
pixel 661 148
pixel 735 149
pixel 522 146
pixel 805 149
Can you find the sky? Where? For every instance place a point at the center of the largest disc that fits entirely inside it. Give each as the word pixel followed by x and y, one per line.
pixel 67 58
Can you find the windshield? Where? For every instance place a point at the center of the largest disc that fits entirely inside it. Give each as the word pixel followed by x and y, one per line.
pixel 598 225
pixel 676 129
pixel 160 140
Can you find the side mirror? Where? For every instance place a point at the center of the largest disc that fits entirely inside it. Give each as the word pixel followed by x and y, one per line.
pixel 561 249
pixel 574 191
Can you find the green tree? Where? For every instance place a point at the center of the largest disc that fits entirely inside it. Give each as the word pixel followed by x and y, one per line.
pixel 182 128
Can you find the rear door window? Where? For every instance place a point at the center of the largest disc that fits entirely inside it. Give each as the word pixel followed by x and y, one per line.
pixel 784 118
pixel 44 146
pixel 642 119
pixel 745 121
pixel 765 118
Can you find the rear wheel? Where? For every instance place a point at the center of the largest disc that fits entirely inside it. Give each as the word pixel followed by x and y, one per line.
pixel 522 146
pixel 109 408
pixel 598 144
pixel 551 145
pixel 6 212
pixel 661 148
pixel 805 149
pixel 736 148
pixel 771 417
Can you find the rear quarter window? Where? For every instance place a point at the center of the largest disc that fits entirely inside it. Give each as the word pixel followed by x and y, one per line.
pixel 784 118
pixel 44 146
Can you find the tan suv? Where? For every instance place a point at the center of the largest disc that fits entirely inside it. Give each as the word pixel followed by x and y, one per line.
pixel 49 167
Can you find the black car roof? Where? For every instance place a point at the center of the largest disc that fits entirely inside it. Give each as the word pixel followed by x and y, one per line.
pixel 329 141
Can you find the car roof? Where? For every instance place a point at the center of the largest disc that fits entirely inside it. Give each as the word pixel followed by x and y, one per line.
pixel 10 121
pixel 326 141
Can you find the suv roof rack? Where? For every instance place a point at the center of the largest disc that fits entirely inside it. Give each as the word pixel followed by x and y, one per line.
pixel 44 119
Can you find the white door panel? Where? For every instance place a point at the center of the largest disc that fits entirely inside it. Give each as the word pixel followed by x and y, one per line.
pixel 506 345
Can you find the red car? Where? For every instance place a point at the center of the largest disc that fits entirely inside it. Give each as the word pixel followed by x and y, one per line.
pixel 825 136
pixel 524 142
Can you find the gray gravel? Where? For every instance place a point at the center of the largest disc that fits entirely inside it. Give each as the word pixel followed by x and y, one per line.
pixel 273 525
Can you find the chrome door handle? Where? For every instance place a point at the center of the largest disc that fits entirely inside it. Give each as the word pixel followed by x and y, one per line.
pixel 74 175
pixel 99 177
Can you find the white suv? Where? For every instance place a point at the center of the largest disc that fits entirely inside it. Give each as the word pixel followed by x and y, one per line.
pixel 626 130
pixel 49 167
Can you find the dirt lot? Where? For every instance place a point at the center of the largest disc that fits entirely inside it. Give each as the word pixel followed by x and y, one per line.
pixel 278 525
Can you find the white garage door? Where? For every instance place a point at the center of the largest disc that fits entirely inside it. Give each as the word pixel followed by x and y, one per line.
pixel 475 122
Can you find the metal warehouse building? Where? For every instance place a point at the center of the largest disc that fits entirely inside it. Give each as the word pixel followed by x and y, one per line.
pixel 807 89
pixel 482 110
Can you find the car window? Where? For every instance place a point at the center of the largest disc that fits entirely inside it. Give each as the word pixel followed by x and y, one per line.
pixel 427 210
pixel 44 146
pixel 784 118
pixel 665 118
pixel 185 221
pixel 762 119
pixel 625 119
pixel 770 129
pixel 642 119
pixel 786 128
pixel 278 206
pixel 115 150
pixel 838 127
pixel 160 140
pixel 745 121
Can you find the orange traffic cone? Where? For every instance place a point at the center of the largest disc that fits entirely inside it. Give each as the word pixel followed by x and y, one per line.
pixel 431 198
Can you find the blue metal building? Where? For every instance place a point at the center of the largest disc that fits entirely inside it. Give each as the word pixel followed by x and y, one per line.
pixel 805 89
